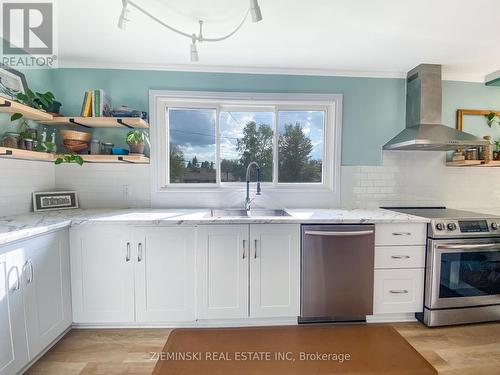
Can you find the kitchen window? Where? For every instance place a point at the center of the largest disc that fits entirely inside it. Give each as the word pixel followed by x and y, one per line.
pixel 206 140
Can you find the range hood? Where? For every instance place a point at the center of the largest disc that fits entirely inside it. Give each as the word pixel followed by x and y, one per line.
pixel 424 130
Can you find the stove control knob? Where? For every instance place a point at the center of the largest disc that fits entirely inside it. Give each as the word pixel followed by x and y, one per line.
pixel 451 226
pixel 440 226
pixel 494 226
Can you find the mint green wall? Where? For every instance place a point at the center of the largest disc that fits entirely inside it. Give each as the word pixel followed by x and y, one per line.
pixel 373 108
pixel 466 95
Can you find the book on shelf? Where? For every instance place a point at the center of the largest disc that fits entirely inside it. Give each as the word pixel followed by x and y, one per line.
pixel 96 104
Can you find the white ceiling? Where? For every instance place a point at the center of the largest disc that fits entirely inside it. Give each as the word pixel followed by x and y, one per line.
pixel 332 37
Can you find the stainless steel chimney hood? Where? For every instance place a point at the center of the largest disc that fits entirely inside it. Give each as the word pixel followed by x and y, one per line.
pixel 424 130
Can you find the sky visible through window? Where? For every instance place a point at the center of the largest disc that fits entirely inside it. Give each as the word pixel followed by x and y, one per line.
pixel 245 137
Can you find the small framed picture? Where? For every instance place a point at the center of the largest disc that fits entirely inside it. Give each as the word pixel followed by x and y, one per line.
pixel 54 200
pixel 12 82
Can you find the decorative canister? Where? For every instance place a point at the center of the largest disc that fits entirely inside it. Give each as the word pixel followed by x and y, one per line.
pixel 107 148
pixel 10 140
pixel 95 147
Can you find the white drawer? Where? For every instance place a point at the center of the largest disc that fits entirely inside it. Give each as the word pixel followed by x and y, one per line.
pixel 400 234
pixel 399 257
pixel 398 291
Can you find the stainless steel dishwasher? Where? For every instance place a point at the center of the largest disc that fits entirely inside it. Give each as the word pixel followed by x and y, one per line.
pixel 337 272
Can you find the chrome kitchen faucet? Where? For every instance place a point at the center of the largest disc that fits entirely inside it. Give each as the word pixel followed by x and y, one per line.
pixel 248 200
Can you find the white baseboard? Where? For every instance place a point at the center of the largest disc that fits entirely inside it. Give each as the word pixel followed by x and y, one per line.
pixel 391 318
pixel 196 324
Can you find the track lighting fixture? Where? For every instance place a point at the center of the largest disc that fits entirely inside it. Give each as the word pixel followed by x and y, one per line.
pixel 253 10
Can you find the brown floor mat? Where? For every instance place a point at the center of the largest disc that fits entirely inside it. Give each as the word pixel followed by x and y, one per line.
pixel 319 349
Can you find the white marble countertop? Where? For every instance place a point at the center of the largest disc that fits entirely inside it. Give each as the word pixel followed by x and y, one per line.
pixel 19 227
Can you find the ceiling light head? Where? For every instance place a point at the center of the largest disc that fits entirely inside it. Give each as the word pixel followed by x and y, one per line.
pixel 122 21
pixel 255 11
pixel 194 50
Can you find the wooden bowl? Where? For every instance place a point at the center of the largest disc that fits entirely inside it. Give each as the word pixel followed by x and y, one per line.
pixel 71 142
pixel 75 135
pixel 77 148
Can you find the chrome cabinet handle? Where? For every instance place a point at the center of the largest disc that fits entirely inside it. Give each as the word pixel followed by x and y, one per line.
pixel 32 272
pixel 18 279
pixel 25 266
pixel 338 234
pixel 402 291
pixel 244 248
pixel 139 252
pixel 400 256
pixel 255 245
pixel 401 234
pixel 127 257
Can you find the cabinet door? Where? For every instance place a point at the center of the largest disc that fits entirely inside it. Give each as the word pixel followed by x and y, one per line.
pixel 47 296
pixel 102 273
pixel 222 271
pixel 274 270
pixel 165 274
pixel 13 344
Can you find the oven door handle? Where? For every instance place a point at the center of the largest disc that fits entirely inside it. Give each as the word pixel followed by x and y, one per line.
pixel 469 247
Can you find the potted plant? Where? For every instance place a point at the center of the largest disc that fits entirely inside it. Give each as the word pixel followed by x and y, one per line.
pixel 37 100
pixel 136 140
pixel 492 119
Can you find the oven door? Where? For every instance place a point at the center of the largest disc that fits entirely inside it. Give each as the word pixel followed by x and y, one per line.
pixel 463 273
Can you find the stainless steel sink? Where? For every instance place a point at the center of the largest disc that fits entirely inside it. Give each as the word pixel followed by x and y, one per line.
pixel 228 213
pixel 267 213
pixel 252 213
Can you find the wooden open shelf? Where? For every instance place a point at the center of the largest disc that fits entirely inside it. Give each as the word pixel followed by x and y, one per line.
pixel 14 153
pixel 99 122
pixel 10 106
pixel 134 159
pixel 473 163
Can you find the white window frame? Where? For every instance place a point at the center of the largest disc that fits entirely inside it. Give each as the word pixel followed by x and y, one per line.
pixel 160 100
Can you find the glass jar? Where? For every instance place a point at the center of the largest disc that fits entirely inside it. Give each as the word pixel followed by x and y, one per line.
pixel 107 148
pixel 10 140
pixel 95 147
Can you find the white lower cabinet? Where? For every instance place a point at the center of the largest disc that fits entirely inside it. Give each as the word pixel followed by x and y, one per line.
pixel 13 344
pixel 102 273
pixel 274 271
pixel 47 292
pixel 248 271
pixel 165 274
pixel 398 291
pixel 399 269
pixel 122 274
pixel 35 301
pixel 222 271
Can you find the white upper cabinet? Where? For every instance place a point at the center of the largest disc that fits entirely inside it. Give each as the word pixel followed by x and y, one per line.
pixel 165 274
pixel 274 270
pixel 222 271
pixel 47 295
pixel 102 273
pixel 13 345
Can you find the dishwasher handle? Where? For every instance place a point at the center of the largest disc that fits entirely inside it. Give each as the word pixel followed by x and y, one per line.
pixel 338 233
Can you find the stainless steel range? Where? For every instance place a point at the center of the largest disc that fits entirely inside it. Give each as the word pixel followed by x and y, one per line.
pixel 462 275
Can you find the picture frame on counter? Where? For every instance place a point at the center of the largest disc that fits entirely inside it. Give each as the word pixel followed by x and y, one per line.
pixel 54 200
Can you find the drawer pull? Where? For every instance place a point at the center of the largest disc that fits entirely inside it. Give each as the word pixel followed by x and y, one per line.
pixel 401 234
pixel 244 248
pixel 400 257
pixel 401 291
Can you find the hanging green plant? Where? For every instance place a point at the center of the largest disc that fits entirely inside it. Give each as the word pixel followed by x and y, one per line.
pixel 69 158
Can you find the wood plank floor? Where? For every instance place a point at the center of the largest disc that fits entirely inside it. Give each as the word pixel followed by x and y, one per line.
pixel 464 350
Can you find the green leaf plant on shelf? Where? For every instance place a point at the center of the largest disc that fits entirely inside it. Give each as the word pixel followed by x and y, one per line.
pixel 493 119
pixel 69 158
pixel 34 100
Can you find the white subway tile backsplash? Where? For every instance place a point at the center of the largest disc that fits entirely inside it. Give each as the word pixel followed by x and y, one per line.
pixel 19 179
